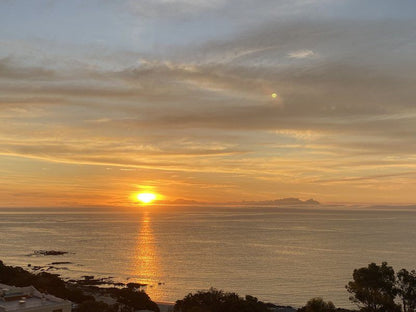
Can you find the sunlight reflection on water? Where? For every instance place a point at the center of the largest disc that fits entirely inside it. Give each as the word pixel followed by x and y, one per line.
pixel 280 255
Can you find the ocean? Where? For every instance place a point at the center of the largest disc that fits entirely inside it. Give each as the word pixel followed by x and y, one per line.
pixel 280 255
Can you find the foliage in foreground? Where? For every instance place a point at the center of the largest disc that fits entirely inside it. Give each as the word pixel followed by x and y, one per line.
pixel 128 299
pixel 406 289
pixel 44 282
pixel 318 305
pixel 376 288
pixel 218 301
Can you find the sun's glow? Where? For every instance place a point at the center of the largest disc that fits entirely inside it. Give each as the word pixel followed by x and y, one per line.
pixel 274 95
pixel 146 198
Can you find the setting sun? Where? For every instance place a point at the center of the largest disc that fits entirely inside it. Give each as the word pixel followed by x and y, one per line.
pixel 146 198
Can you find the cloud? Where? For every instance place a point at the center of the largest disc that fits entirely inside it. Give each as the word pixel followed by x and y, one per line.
pixel 159 8
pixel 10 69
pixel 160 95
pixel 206 108
pixel 236 9
pixel 301 54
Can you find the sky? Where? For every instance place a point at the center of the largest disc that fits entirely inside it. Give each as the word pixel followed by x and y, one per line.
pixel 214 101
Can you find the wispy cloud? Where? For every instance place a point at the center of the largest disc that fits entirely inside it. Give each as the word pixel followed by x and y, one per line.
pixel 301 54
pixel 202 114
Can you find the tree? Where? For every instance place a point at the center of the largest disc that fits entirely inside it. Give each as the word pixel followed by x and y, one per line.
pixel 138 300
pixel 373 288
pixel 318 305
pixel 406 288
pixel 218 301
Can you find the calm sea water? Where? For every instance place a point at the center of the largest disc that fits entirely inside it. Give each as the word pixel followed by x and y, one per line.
pixel 281 255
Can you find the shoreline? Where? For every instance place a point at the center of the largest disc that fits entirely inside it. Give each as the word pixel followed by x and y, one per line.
pixel 81 291
pixel 165 306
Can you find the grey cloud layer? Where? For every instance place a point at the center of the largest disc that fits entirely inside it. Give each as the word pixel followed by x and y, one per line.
pixel 239 9
pixel 357 92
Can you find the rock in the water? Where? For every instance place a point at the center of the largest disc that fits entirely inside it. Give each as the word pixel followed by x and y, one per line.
pixel 49 252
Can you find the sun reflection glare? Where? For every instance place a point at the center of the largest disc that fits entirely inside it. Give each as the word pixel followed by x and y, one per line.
pixel 147 267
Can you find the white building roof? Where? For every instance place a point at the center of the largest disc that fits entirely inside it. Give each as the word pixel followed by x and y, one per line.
pixel 29 299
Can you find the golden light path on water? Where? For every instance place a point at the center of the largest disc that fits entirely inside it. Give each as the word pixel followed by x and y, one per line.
pixel 147 267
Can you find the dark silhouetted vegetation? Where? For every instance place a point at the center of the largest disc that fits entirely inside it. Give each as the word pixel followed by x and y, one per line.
pixel 218 301
pixel 373 288
pixel 44 282
pixel 318 305
pixel 377 289
pixel 128 299
pixel 138 300
pixel 406 289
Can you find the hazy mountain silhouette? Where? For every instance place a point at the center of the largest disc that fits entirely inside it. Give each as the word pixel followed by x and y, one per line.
pixel 274 202
pixel 283 202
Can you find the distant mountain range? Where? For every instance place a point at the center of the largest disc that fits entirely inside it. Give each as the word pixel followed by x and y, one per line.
pixel 275 202
pixel 283 202
pixel 180 201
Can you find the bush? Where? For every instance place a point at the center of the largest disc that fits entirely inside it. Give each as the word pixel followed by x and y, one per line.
pixel 218 301
pixel 318 305
pixel 139 300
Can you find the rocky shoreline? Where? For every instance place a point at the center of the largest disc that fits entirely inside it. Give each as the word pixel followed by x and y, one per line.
pixel 86 294
pixel 90 291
